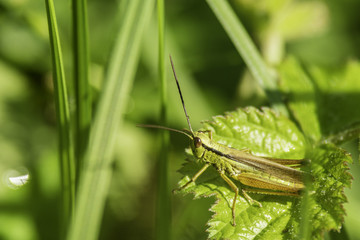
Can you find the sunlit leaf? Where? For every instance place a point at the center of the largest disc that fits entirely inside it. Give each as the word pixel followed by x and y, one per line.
pixel 267 134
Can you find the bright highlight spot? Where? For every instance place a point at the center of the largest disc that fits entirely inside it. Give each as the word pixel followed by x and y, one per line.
pixel 15 179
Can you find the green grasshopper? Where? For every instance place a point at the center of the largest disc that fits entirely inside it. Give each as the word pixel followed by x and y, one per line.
pixel 266 175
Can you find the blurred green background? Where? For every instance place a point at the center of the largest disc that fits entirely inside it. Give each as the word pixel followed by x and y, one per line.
pixel 213 77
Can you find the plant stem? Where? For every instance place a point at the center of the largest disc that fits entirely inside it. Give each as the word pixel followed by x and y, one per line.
pixel 163 204
pixel 66 156
pixel 81 78
pixel 248 51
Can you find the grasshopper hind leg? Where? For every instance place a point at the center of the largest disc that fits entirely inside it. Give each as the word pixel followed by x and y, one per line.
pixel 236 190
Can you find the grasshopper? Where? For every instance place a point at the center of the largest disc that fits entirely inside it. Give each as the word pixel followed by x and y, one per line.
pixel 264 175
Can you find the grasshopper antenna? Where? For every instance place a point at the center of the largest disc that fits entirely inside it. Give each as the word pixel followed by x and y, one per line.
pixel 184 131
pixel 181 97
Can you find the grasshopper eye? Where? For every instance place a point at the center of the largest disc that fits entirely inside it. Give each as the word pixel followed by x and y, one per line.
pixel 197 142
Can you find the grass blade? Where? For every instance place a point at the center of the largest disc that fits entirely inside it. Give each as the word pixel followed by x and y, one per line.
pixel 96 177
pixel 247 50
pixel 81 78
pixel 163 203
pixel 67 164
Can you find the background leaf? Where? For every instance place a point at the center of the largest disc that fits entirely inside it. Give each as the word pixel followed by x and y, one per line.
pixel 317 99
pixel 337 88
pixel 302 96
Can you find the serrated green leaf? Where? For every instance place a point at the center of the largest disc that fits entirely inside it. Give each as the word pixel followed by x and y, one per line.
pixel 330 177
pixel 330 172
pixel 264 133
pixel 267 134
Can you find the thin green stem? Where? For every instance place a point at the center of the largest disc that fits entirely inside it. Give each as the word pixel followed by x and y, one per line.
pixel 81 78
pixel 97 172
pixel 248 51
pixel 163 206
pixel 66 156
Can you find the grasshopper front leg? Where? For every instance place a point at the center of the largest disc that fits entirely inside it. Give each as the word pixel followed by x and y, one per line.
pixel 193 179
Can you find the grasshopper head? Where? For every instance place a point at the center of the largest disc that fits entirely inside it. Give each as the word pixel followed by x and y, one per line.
pixel 199 139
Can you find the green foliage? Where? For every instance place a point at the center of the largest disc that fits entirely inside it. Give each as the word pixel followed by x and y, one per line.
pixel 266 133
pixel 317 99
pixel 222 50
pixel 96 175
pixel 315 103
